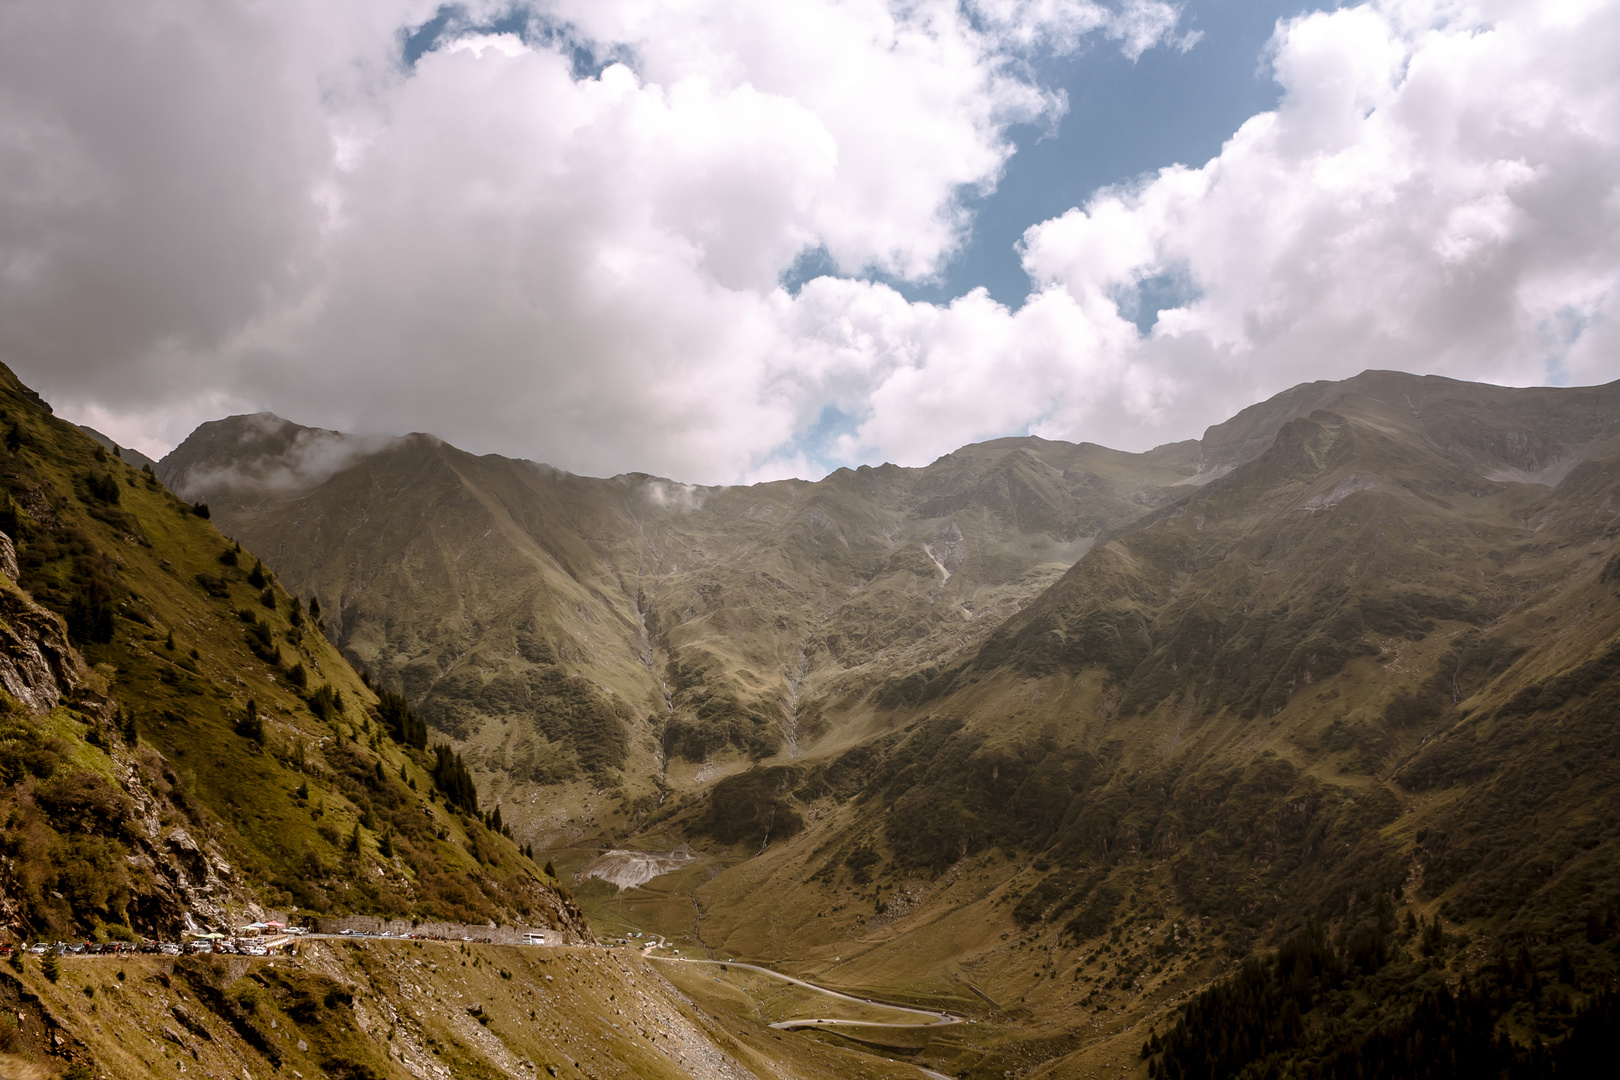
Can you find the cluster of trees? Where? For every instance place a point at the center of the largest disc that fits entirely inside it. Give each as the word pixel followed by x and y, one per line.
pixel 450 776
pixel 407 728
pixel 1354 1007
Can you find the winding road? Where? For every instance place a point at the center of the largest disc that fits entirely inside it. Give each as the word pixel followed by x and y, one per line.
pixel 934 1017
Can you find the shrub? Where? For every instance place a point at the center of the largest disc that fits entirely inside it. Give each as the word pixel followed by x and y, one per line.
pixel 251 726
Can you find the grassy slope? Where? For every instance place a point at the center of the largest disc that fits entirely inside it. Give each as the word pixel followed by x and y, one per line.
pixel 396 1010
pixel 238 797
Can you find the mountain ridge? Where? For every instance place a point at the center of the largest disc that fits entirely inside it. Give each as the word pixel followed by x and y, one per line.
pixel 1052 709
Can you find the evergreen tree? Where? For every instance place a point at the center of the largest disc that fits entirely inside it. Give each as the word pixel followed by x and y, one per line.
pixel 50 966
pixel 326 703
pixel 354 840
pixel 256 576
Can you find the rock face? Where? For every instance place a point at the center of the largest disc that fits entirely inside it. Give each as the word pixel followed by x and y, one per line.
pixel 37 665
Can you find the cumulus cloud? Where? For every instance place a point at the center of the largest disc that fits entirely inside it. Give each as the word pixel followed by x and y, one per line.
pixel 560 236
pixel 1439 191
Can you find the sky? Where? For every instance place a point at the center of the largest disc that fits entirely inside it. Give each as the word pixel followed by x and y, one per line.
pixel 725 241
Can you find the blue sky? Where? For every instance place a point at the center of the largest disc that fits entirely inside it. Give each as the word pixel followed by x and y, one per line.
pixel 1126 117
pixel 560 231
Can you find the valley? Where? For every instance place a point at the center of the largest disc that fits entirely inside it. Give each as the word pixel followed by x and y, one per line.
pixel 1076 754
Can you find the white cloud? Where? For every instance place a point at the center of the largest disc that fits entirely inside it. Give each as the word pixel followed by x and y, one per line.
pixel 210 206
pixel 1439 191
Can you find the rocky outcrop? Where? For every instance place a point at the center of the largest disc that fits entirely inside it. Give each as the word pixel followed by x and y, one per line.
pixel 37 665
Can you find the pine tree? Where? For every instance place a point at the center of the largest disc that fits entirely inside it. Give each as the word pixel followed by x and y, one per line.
pixel 354 840
pixel 50 966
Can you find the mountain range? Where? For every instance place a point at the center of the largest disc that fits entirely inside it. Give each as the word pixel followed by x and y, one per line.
pixel 1133 754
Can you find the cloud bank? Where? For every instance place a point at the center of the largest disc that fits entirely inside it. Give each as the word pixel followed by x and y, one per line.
pixel 562 234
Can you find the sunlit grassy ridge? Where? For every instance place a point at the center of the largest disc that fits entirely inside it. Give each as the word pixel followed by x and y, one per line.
pixel 211 751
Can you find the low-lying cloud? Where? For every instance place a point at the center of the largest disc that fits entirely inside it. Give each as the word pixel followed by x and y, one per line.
pixel 270 455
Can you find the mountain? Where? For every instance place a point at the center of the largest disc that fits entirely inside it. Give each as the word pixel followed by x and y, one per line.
pixel 1062 736
pixel 127 454
pixel 574 634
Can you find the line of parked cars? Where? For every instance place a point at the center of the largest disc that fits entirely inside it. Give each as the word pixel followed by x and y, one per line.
pixel 236 946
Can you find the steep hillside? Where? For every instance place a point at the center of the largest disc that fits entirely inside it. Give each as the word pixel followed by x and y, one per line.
pixel 182 747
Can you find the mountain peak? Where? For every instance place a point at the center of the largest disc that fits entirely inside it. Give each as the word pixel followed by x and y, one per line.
pixel 260 453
